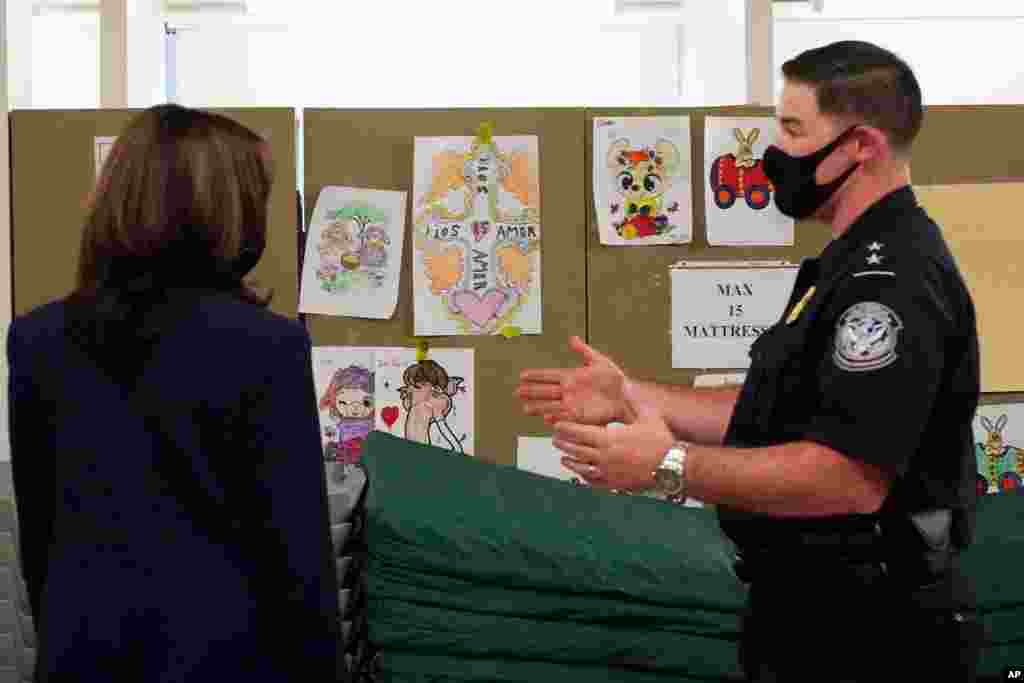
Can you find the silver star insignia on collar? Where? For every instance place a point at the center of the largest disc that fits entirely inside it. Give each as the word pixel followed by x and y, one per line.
pixel 875 259
pixel 875 246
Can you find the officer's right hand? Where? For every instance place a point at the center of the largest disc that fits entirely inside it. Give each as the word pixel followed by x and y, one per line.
pixel 591 394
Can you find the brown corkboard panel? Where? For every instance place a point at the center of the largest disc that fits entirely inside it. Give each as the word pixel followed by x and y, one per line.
pixel 374 149
pixel 629 293
pixel 974 146
pixel 52 173
pixel 968 144
pixel 983 232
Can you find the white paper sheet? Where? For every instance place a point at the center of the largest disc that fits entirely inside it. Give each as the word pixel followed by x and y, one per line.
pixel 101 150
pixel 477 229
pixel 641 171
pixel 537 454
pixel 718 313
pixel 738 200
pixel 734 379
pixel 429 401
pixel 344 381
pixel 353 255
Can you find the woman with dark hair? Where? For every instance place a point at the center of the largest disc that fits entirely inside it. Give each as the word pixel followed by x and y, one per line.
pixel 172 507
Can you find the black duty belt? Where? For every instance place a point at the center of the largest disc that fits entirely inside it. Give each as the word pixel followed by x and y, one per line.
pixel 912 549
pixel 857 558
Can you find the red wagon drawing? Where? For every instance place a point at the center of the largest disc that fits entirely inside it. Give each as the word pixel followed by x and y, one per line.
pixel 735 175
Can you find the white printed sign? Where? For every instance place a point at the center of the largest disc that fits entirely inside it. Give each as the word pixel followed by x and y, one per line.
pixel 717 313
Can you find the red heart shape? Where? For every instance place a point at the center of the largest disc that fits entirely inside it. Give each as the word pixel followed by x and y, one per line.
pixel 389 415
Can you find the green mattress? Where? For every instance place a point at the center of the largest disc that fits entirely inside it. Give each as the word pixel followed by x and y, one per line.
pixel 483 572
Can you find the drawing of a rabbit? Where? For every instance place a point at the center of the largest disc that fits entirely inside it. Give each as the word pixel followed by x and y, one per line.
pixel 996 450
pixel 745 152
pixel 741 174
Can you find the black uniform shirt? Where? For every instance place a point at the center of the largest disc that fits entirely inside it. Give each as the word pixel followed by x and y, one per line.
pixel 878 362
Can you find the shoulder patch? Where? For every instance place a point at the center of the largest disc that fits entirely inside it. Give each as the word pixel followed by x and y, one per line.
pixel 866 337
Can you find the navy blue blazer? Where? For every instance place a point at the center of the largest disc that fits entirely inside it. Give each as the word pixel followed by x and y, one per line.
pixel 179 532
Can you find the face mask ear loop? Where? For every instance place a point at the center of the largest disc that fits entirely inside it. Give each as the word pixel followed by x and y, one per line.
pixel 842 139
pixel 839 141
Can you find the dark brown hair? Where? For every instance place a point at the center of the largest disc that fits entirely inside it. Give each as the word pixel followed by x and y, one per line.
pixel 182 197
pixel 862 82
pixel 179 210
pixel 426 371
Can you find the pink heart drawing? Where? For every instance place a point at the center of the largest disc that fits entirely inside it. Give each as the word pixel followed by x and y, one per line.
pixel 478 311
pixel 480 229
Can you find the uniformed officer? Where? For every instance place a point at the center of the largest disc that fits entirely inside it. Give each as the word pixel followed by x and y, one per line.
pixel 844 468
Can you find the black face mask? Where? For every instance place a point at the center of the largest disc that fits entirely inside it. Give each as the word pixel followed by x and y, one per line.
pixel 797 195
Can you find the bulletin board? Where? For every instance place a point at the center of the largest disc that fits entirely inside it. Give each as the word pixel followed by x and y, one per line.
pixel 374 149
pixel 53 171
pixel 629 288
pixel 983 236
pixel 968 172
pixel 965 150
pixel 616 297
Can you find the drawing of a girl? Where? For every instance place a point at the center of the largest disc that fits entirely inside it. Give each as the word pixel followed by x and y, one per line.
pixel 427 394
pixel 348 399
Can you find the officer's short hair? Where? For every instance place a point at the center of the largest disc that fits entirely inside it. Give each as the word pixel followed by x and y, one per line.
pixel 862 81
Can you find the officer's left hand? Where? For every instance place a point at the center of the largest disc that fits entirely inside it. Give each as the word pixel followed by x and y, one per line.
pixel 616 457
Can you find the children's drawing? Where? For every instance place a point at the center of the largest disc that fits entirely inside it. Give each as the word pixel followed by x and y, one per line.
pixel 741 174
pixel 353 248
pixel 641 180
pixel 428 395
pixel 477 235
pixel 344 379
pixel 738 195
pixel 1000 463
pixel 353 253
pixel 641 177
pixel 428 400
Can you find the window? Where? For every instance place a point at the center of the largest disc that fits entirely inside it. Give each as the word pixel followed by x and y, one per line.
pixel 53 55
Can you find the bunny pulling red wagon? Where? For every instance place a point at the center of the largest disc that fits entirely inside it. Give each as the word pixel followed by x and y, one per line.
pixel 733 175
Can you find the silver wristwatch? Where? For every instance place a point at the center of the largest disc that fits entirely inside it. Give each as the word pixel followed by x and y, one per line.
pixel 670 477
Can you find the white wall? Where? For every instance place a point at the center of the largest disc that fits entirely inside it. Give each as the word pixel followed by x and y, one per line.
pixel 64 61
pixel 498 53
pixel 18 88
pixel 395 53
pixel 145 37
pixel 962 53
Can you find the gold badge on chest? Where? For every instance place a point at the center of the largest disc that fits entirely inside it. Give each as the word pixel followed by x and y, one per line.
pixel 795 313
